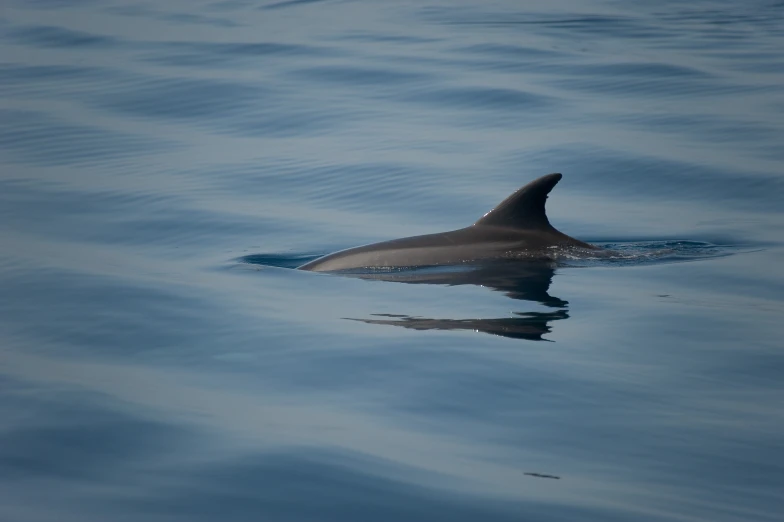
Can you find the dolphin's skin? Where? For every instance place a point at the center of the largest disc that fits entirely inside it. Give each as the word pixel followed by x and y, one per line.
pixel 516 228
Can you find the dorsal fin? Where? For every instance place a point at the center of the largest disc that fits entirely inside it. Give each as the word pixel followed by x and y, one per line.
pixel 524 208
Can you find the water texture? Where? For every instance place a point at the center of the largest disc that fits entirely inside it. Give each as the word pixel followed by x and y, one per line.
pixel 164 166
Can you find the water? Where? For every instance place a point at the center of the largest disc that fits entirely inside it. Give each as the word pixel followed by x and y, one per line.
pixel 165 165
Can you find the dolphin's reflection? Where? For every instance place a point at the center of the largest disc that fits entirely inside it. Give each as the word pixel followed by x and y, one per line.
pixel 523 281
pixel 530 326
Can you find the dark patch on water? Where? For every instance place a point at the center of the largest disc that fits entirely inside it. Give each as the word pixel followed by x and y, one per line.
pixel 59 37
pixel 53 4
pixel 478 98
pixel 24 74
pixel 542 475
pixel 360 36
pixel 290 3
pixel 190 18
pixel 360 76
pixel 226 54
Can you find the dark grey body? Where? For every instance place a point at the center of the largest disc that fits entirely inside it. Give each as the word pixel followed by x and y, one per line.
pixel 474 243
pixel 517 228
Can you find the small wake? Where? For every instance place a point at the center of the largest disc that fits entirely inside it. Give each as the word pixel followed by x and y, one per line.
pixel 634 253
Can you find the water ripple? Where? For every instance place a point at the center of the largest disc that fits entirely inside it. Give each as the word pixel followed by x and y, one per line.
pixel 42 139
pixel 181 99
pixel 225 54
pixel 360 76
pixel 618 173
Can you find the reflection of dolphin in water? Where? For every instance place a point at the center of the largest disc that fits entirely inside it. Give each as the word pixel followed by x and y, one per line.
pixel 530 326
pixel 520 280
pixel 517 228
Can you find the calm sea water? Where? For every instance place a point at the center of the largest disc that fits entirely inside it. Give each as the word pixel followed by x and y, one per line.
pixel 164 165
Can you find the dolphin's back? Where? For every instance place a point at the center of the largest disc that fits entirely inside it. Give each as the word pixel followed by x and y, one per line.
pixel 432 249
pixel 517 225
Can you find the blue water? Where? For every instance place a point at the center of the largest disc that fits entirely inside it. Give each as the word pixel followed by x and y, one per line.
pixel 165 165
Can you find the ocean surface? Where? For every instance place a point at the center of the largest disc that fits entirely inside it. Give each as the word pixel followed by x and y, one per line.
pixel 165 165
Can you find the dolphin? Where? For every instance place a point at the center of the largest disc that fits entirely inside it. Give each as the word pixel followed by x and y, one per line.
pixel 517 228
